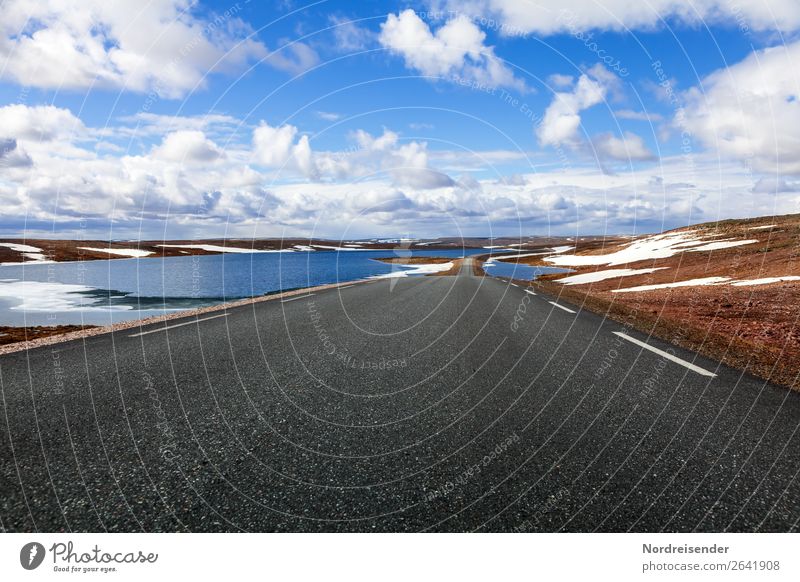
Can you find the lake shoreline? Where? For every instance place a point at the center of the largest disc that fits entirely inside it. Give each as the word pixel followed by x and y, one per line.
pixel 91 331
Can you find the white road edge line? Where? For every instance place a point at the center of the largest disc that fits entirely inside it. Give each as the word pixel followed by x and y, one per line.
pixel 529 291
pixel 165 328
pixel 346 287
pixel 568 310
pixel 666 355
pixel 296 298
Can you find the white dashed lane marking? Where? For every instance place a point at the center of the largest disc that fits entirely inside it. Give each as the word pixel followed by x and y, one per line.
pixel 667 355
pixel 166 327
pixel 561 307
pixel 296 298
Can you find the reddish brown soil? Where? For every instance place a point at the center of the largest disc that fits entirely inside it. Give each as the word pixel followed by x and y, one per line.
pixel 10 335
pixel 68 250
pixel 754 328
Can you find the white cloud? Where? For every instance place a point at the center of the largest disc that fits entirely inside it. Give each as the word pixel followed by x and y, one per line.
pixel 750 111
pixel 145 124
pixel 638 115
pixel 12 156
pixel 188 147
pixel 40 123
pixel 517 17
pixel 276 147
pixel 456 49
pixel 629 147
pixel 293 57
pixel 773 185
pixel 349 36
pixel 155 46
pixel 380 184
pixel 562 119
pixel 329 116
pixel 560 81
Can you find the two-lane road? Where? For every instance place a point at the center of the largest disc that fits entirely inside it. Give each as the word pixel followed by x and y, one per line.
pixel 433 403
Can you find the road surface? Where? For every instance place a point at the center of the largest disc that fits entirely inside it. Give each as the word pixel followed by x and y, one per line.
pixel 420 404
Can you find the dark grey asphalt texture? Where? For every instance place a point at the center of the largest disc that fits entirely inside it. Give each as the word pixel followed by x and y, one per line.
pixel 393 405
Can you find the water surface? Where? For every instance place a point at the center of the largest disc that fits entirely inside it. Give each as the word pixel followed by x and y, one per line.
pixel 103 292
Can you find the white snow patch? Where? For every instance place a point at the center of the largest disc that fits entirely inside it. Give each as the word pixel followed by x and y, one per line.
pixel 21 248
pixel 135 253
pixel 762 227
pixel 562 249
pixel 409 270
pixel 333 248
pixel 304 248
pixel 51 297
pixel 765 280
pixel 218 249
pixel 603 275
pixel 509 257
pixel 689 283
pixel 654 247
pixel 660 246
pixel 722 245
pixel 34 254
pixel 346 248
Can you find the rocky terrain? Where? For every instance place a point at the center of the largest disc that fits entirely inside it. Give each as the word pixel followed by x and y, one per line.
pixel 729 289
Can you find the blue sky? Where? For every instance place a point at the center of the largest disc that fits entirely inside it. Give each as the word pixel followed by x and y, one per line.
pixel 344 119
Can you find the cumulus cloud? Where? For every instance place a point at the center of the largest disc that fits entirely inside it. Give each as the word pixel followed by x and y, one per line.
pixel 560 81
pixel 751 110
pixel 629 147
pixel 40 123
pixel 773 185
pixel 145 124
pixel 276 147
pixel 157 46
pixel 188 147
pixel 519 17
pixel 562 119
pixel 407 163
pixel 379 184
pixel 455 49
pixel 11 156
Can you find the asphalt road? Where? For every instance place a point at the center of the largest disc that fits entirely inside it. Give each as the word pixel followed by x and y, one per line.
pixel 420 404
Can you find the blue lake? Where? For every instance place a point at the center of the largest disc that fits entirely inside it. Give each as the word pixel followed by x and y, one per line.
pixel 514 270
pixel 102 292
